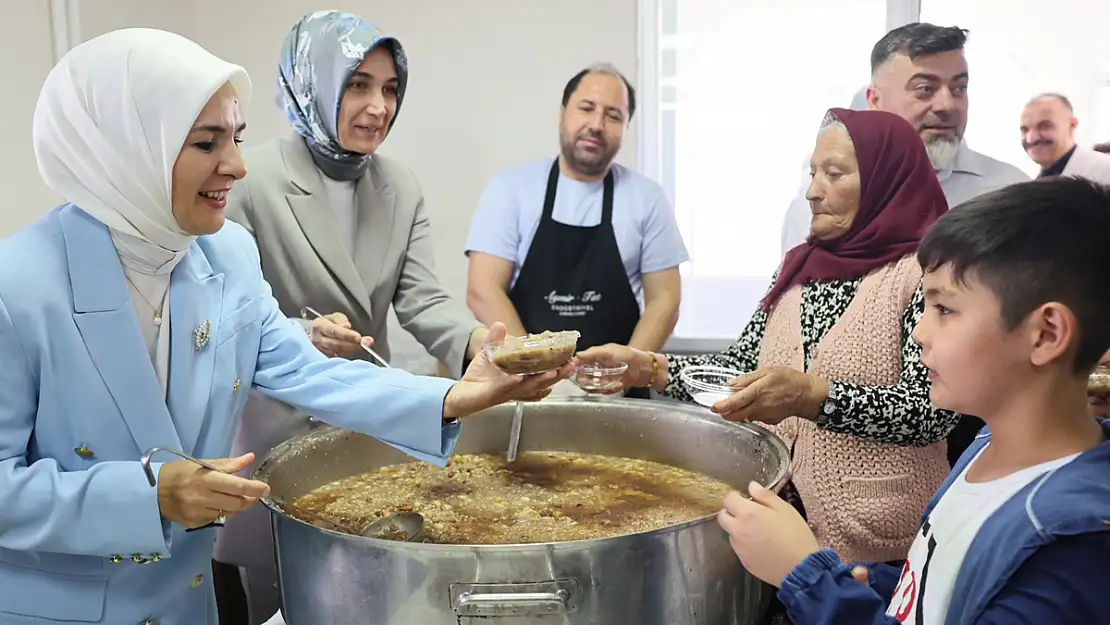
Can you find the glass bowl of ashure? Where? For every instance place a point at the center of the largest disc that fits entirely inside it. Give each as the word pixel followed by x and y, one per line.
pixel 595 378
pixel 533 354
pixel 1099 381
pixel 708 385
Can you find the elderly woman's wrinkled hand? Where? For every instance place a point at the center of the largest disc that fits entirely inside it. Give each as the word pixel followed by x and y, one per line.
pixel 766 533
pixel 772 394
pixel 638 374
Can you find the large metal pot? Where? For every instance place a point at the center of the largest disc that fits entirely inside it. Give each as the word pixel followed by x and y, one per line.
pixel 680 575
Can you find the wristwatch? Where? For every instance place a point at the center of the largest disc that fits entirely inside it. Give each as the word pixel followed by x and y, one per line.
pixel 828 408
pixel 450 421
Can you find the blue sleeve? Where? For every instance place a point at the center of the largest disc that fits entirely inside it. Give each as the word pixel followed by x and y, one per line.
pixel 884 579
pixel 394 406
pixel 495 227
pixel 662 246
pixel 822 591
pixel 1063 583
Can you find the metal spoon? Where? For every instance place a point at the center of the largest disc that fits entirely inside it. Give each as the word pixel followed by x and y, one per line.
pixel 310 313
pixel 153 481
pixel 400 526
pixel 514 432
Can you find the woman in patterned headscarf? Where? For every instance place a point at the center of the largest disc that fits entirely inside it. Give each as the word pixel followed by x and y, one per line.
pixel 341 229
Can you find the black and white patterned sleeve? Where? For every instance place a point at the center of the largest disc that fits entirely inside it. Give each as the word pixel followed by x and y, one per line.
pixel 895 415
pixel 742 355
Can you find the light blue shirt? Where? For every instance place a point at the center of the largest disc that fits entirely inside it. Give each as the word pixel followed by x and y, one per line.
pixel 509 213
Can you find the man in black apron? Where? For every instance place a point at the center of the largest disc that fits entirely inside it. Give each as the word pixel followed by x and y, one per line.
pixel 571 275
pixel 574 279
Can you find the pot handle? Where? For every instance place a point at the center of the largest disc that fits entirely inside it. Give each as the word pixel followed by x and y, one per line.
pixel 527 599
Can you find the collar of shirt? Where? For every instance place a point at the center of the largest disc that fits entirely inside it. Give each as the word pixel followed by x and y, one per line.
pixel 966 162
pixel 1057 168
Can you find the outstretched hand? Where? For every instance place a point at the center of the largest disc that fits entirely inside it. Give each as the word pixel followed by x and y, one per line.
pixel 638 374
pixel 772 394
pixel 484 385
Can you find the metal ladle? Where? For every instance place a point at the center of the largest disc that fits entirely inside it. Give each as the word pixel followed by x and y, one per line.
pixel 310 313
pixel 400 526
pixel 514 432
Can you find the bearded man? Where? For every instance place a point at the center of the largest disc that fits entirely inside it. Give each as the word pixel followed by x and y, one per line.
pixel 578 242
pixel 919 72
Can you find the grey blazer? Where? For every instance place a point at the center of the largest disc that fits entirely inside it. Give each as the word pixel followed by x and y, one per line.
pixel 282 202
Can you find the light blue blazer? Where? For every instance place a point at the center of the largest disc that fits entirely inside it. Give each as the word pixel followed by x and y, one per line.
pixel 81 536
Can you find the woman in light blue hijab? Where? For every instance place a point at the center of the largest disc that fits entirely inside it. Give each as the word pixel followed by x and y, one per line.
pixel 341 229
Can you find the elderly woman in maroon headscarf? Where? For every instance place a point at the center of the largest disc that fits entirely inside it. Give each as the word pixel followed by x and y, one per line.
pixel 833 367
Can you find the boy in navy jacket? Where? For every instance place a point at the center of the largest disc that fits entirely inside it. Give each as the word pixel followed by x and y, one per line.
pixel 1017 308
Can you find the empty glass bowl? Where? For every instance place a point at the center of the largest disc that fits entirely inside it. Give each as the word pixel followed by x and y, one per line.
pixel 709 385
pixel 594 378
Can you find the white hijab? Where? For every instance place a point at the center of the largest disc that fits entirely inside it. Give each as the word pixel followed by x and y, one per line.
pixel 110 122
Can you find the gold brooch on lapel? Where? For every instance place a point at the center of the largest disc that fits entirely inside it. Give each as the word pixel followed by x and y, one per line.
pixel 201 334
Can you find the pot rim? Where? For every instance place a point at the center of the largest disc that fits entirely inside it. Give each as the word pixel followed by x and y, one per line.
pixel 687 409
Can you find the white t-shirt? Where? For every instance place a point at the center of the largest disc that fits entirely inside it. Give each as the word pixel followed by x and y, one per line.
pixel 937 553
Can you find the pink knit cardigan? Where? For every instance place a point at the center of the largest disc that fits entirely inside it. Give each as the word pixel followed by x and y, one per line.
pixel 863 499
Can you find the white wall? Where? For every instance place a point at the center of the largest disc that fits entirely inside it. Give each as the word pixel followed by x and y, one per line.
pixel 484 92
pixel 28 56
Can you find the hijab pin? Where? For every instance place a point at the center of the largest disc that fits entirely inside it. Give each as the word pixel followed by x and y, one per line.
pixel 201 334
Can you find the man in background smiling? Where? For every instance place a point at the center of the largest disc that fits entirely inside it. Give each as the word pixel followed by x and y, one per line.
pixel 1048 126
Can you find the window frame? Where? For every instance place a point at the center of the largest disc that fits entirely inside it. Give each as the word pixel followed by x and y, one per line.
pixel 65 22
